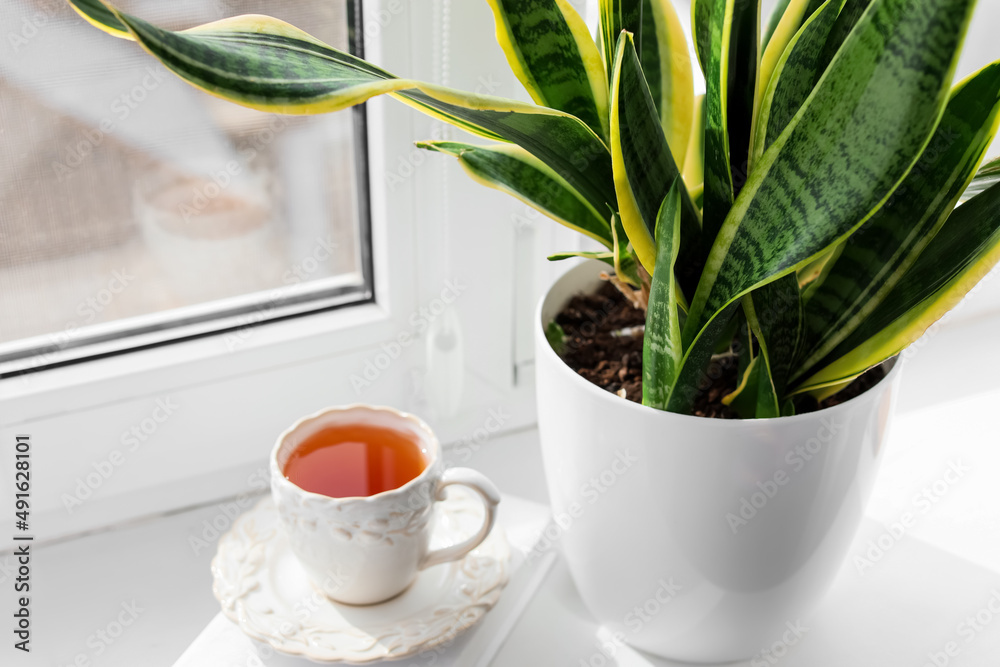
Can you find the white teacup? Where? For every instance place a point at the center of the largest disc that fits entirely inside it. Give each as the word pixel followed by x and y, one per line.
pixel 363 550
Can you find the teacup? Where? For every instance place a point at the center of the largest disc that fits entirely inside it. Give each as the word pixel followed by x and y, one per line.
pixel 367 549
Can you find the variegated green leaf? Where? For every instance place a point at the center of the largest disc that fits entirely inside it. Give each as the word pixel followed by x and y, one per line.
pixel 793 17
pixel 643 166
pixel 744 78
pixel 875 257
pixel 661 351
pixel 666 64
pixel 663 54
pixel 97 14
pixel 701 29
pixel 618 15
pixel 812 276
pixel 768 403
pixel 962 254
pixel 266 64
pixel 606 256
pixel 620 259
pixel 743 399
pixel 730 65
pixel 694 163
pixel 696 358
pixel 987 176
pixel 550 50
pixel 795 76
pixel 774 312
pixel 772 23
pixel 625 262
pixel 515 171
pixel 859 133
pixel 850 15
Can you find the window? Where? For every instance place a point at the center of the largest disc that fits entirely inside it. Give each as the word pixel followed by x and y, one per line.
pixel 136 210
pixel 249 371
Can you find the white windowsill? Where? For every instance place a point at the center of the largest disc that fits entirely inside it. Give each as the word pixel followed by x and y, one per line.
pixel 82 583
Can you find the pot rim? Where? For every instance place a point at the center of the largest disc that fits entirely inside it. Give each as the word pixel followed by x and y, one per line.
pixel 895 364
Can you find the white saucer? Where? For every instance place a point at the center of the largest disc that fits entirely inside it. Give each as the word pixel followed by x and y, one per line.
pixel 266 593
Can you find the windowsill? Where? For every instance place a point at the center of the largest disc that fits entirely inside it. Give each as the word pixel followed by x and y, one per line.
pixel 82 583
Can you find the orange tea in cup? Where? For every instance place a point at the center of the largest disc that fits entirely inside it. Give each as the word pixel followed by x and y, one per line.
pixel 348 460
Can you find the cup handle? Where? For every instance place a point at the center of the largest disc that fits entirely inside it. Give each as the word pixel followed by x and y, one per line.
pixel 491 498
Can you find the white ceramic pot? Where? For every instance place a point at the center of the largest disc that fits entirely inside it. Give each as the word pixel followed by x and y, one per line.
pixel 700 540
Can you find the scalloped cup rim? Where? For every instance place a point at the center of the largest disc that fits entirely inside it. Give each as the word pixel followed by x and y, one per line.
pixel 430 457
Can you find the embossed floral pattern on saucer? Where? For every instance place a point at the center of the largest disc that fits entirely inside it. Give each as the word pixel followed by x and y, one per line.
pixel 262 588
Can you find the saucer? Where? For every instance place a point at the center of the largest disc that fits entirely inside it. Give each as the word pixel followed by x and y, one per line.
pixel 263 589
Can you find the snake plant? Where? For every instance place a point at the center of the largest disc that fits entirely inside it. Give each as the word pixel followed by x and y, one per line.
pixel 812 210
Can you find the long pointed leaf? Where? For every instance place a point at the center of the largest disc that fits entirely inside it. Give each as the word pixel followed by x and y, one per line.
pixel 876 257
pixel 794 16
pixel 97 14
pixel 768 403
pixel 701 30
pixel 605 256
pixel 625 262
pixel 266 64
pixel 666 63
pixel 643 166
pixel 859 133
pixel 729 59
pixel 694 163
pixel 549 48
pixel 850 15
pixel 718 195
pixel 987 176
pixel 777 14
pixel 662 352
pixel 774 312
pixel 963 253
pixel 744 74
pixel 794 78
pixel 696 358
pixel 618 15
pixel 515 171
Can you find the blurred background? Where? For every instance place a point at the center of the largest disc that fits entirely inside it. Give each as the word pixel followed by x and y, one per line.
pixel 129 200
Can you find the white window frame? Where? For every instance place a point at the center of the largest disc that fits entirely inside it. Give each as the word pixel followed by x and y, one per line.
pixel 230 404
